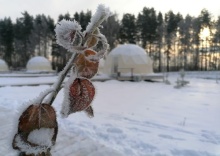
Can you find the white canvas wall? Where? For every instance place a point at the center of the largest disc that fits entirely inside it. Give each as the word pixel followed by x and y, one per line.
pixel 126 59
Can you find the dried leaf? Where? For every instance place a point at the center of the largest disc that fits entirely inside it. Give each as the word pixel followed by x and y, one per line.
pixel 92 41
pixel 81 94
pixel 41 154
pixel 35 117
pixel 85 67
pixel 89 111
pixel 67 33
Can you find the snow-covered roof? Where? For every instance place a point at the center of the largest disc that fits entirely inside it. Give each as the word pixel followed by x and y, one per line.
pixel 3 65
pixel 38 59
pixel 38 64
pixel 128 49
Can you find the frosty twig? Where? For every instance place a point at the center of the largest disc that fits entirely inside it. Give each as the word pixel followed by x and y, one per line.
pixel 61 78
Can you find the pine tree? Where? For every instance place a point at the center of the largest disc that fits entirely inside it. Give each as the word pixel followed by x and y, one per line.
pixel 6 39
pixel 127 31
pixel 196 25
pixel 110 30
pixel 147 25
pixel 160 35
pixel 23 45
pixel 172 21
pixel 185 29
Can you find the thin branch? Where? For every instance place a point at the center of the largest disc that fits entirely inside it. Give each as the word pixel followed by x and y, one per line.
pixel 62 75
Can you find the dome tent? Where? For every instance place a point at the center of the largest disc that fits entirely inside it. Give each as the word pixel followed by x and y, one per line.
pixel 128 59
pixel 101 66
pixel 3 66
pixel 38 64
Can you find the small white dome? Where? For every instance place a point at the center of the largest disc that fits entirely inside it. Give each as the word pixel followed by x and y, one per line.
pixel 3 66
pixel 128 49
pixel 38 64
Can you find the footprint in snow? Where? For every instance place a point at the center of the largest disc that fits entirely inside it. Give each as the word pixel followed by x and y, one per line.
pixel 114 130
pixel 169 137
pixel 210 137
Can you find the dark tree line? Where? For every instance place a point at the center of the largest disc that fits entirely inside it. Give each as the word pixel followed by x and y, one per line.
pixel 174 41
pixel 25 38
pixel 171 40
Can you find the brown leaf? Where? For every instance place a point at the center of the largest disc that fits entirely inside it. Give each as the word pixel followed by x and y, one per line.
pixel 81 94
pixel 89 111
pixel 37 116
pixel 41 154
pixel 92 41
pixel 85 67
pixel 33 118
pixel 72 35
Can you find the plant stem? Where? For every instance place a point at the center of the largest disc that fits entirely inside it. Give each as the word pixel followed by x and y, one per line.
pixel 62 75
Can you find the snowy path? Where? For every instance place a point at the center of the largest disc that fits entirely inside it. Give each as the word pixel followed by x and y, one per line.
pixel 33 81
pixel 132 119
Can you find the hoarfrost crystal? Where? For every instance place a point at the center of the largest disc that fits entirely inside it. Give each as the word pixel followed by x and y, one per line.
pixel 102 13
pixel 25 147
pixel 42 136
pixel 66 32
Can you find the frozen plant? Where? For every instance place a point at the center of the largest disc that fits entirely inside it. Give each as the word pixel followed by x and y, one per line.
pixel 180 81
pixel 37 125
pixel 165 78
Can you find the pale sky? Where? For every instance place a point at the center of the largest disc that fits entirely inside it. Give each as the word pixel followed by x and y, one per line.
pixel 13 8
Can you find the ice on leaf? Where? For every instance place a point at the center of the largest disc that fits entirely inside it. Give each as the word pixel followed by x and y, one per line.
pixel 26 147
pixel 42 136
pixel 78 96
pixel 102 13
pixel 66 33
pixel 86 68
pixel 38 119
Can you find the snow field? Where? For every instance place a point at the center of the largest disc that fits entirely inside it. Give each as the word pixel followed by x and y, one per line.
pixel 131 118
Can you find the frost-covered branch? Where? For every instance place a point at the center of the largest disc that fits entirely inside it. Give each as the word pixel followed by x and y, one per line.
pixel 56 86
pixel 102 13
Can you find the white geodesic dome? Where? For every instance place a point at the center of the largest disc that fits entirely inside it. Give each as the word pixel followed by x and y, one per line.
pixel 39 64
pixel 126 59
pixel 3 66
pixel 101 66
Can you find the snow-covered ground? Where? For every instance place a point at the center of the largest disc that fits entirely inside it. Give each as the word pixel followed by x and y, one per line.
pixel 131 118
